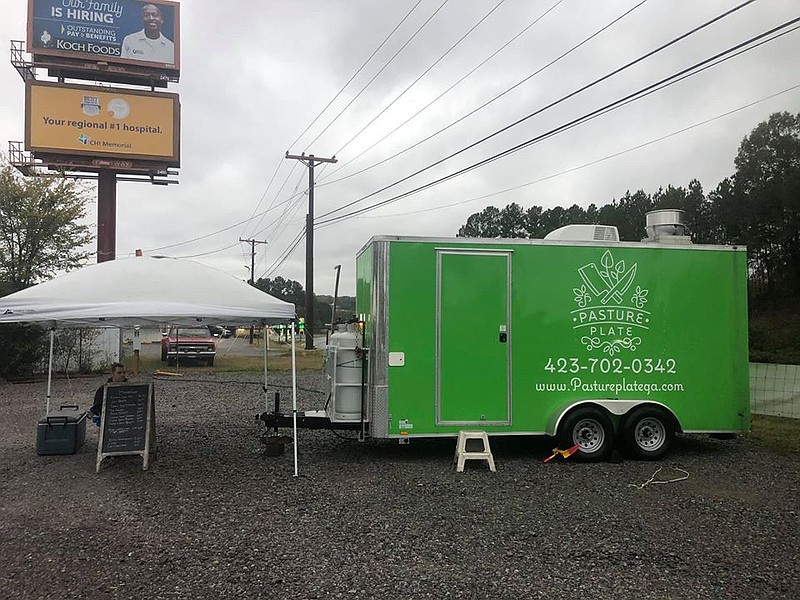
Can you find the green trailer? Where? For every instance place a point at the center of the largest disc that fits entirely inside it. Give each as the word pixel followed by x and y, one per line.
pixel 578 336
pixel 588 341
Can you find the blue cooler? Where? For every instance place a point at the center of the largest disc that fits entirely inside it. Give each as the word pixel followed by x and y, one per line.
pixel 62 431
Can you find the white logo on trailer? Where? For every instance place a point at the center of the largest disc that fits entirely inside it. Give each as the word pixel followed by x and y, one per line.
pixel 610 310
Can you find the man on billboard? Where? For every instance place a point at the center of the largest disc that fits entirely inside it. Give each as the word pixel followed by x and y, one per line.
pixel 149 44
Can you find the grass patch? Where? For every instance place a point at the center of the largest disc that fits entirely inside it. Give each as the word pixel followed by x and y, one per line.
pixel 306 360
pixel 776 433
pixel 278 361
pixel 775 334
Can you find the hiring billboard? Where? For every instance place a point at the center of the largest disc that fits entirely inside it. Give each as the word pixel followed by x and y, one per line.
pixel 105 122
pixel 132 32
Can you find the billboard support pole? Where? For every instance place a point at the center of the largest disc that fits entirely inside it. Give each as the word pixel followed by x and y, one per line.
pixel 106 215
pixel 310 161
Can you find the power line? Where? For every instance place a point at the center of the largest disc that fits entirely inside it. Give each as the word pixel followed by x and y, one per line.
pixel 224 229
pixel 417 80
pixel 439 97
pixel 285 202
pixel 590 163
pixel 209 252
pixel 280 189
pixel 544 108
pixel 475 110
pixel 332 100
pixel 229 246
pixel 264 195
pixel 588 116
pixel 361 68
pixel 213 233
pixel 289 209
pixel 285 254
pixel 421 27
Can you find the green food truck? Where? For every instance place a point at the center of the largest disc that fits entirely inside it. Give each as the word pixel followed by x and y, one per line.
pixel 579 336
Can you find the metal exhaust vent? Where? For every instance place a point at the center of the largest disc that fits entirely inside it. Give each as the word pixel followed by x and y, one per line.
pixel 666 226
pixel 665 222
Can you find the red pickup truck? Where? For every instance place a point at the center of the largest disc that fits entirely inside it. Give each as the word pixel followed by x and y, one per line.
pixel 188 343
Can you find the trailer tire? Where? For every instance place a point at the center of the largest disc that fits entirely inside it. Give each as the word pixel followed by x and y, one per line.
pixel 591 429
pixel 647 432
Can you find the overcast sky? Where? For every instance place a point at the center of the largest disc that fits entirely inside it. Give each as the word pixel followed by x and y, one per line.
pixel 253 80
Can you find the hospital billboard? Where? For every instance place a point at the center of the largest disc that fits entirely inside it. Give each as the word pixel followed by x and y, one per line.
pixel 128 32
pixel 79 120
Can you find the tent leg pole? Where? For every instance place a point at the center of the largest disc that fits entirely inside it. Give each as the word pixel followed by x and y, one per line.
pixel 266 351
pixel 50 371
pixel 294 401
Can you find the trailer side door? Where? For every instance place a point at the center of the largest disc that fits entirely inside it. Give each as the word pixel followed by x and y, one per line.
pixel 473 337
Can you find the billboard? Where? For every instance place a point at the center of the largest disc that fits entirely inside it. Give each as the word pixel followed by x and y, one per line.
pixel 82 120
pixel 132 32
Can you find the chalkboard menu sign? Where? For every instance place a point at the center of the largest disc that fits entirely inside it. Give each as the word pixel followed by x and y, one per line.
pixel 127 423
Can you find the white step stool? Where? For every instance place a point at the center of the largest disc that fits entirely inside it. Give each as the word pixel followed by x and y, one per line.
pixel 463 454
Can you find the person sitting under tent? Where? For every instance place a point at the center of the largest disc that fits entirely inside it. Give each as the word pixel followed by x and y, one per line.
pixel 117 376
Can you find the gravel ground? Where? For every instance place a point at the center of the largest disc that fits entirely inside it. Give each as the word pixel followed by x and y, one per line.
pixel 215 518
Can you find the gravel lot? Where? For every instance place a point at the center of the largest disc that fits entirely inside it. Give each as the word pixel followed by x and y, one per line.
pixel 215 518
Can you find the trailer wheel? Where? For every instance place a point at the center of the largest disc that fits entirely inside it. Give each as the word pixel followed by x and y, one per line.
pixel 591 429
pixel 648 433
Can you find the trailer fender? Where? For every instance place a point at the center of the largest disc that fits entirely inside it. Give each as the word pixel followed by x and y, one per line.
pixel 618 408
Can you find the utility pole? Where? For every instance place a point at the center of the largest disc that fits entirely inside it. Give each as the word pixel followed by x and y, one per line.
pixel 310 161
pixel 252 243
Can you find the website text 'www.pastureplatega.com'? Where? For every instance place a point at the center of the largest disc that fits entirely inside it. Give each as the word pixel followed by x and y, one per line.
pixel 576 384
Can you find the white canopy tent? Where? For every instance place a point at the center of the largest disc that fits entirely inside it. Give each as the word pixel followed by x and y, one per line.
pixel 146 291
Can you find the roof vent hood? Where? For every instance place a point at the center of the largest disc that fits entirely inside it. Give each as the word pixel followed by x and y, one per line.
pixel 666 226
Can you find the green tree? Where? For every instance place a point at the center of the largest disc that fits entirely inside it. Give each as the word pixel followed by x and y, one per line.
pixel 513 223
pixel 485 224
pixel 287 290
pixel 345 306
pixel 696 207
pixel 630 213
pixel 40 234
pixel 765 195
pixel 292 291
pixel 40 228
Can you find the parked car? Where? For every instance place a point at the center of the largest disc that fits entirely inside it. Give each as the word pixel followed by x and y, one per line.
pixel 219 331
pixel 188 343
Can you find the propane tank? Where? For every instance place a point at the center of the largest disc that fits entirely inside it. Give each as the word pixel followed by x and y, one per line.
pixel 343 375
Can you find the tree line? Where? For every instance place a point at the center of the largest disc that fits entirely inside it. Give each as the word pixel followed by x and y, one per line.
pixel 757 206
pixel 292 291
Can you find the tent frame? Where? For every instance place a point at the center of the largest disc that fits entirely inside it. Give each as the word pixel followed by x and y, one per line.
pixel 147 291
